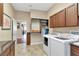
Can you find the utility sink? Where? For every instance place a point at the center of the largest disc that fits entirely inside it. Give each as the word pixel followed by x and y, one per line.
pixel 62 38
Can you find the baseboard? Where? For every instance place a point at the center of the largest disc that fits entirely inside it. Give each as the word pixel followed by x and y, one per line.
pixel 35 43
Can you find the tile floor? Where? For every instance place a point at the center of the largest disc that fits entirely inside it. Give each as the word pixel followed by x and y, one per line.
pixel 32 50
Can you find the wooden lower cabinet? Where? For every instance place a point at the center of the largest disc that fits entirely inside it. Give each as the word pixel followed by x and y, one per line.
pixel 6 52
pixel 28 38
pixel 10 51
pixel 1 14
pixel 74 50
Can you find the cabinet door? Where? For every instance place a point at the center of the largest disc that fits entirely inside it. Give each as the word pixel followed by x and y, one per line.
pixel 6 52
pixel 61 19
pixel 53 21
pixel 13 49
pixel 78 14
pixel 74 50
pixel 28 38
pixel 78 9
pixel 71 15
pixel 1 14
pixel 58 20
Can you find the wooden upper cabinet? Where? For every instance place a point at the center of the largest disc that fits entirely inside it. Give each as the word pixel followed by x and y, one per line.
pixel 78 14
pixel 1 14
pixel 71 15
pixel 67 17
pixel 52 21
pixel 60 19
pixel 78 9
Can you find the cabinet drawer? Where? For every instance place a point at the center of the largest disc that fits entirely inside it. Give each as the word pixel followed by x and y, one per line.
pixel 13 50
pixel 74 50
pixel 75 53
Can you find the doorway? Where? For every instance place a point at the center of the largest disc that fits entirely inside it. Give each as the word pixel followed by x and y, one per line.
pixel 21 32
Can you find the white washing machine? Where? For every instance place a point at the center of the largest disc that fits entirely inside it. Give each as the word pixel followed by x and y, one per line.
pixel 46 46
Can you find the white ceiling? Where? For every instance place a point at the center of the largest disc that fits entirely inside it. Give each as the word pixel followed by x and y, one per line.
pixel 32 6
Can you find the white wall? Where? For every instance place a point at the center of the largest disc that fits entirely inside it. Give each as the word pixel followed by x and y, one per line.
pixel 66 29
pixel 7 34
pixel 24 16
pixel 39 14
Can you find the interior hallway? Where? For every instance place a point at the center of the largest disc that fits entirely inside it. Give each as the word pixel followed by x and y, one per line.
pixel 32 50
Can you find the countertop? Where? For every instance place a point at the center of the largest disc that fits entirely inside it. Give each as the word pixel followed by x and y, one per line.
pixel 75 43
pixel 73 39
pixel 4 45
